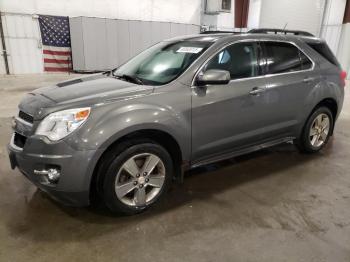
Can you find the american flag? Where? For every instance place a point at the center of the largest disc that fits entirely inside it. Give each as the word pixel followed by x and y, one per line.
pixel 55 36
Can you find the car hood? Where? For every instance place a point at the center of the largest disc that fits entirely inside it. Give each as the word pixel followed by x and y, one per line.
pixel 94 88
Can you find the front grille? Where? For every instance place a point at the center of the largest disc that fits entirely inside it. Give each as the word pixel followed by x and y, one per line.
pixel 26 117
pixel 19 140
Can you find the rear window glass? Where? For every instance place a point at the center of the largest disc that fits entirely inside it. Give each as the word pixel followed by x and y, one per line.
pixel 305 61
pixel 282 58
pixel 324 51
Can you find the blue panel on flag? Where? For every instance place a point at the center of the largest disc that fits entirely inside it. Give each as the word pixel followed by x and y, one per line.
pixel 55 30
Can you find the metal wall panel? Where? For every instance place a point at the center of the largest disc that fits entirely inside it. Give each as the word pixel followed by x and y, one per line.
pixel 146 32
pixel 332 34
pixel 76 33
pixel 107 43
pixel 95 44
pixel 112 42
pixel 136 41
pixel 124 52
pixel 2 61
pixel 23 44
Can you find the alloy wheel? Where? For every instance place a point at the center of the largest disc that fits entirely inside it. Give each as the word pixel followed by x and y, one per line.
pixel 140 179
pixel 319 130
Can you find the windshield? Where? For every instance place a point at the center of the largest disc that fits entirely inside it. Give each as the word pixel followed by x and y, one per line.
pixel 161 63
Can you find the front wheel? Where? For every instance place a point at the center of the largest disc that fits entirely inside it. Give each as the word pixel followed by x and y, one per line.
pixel 137 177
pixel 316 131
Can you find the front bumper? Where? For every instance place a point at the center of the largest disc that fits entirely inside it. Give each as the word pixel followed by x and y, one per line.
pixel 76 168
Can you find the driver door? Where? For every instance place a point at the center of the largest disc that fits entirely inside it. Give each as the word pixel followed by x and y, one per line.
pixel 229 116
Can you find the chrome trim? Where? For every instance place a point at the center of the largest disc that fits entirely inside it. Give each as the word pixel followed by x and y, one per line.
pixel 260 76
pixel 49 156
pixel 23 121
pixel 12 143
pixel 41 172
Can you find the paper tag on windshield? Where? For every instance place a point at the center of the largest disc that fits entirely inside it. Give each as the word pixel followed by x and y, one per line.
pixel 189 49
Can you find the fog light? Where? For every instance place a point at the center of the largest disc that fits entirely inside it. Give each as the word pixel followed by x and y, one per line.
pixel 53 175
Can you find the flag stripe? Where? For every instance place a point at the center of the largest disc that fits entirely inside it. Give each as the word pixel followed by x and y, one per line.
pixel 58 57
pixel 58 61
pixel 56 69
pixel 51 52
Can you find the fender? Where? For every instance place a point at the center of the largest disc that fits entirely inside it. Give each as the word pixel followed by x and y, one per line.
pixel 112 123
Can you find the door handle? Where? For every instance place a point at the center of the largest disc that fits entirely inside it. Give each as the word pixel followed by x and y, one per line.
pixel 308 79
pixel 256 91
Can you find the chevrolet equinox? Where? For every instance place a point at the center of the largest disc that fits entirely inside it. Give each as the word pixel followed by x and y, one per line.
pixel 122 136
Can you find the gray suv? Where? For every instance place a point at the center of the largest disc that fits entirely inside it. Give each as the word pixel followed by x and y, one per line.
pixel 123 136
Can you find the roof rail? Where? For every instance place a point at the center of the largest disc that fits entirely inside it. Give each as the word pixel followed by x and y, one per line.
pixel 218 32
pixel 282 31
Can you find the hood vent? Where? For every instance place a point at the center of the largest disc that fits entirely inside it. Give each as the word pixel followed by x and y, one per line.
pixel 71 82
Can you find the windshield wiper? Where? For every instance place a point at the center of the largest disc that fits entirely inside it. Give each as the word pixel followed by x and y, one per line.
pixel 130 78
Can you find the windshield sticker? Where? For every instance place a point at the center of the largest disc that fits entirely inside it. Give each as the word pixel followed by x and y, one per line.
pixel 189 49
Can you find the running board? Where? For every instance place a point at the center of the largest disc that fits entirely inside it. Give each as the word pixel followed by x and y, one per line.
pixel 242 151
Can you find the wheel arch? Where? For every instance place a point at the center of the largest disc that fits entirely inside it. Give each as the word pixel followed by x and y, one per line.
pixel 161 137
pixel 331 104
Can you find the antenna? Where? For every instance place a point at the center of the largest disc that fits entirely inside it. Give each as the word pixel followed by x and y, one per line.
pixel 285 26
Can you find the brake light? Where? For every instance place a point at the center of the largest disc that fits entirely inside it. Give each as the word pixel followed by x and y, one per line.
pixel 343 77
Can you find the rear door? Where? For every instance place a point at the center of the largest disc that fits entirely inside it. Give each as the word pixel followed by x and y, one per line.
pixel 289 79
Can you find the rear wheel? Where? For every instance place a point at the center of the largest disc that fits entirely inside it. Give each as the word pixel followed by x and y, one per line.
pixel 316 131
pixel 136 177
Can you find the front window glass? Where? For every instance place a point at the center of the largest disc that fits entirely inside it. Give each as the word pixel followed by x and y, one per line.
pixel 163 62
pixel 239 59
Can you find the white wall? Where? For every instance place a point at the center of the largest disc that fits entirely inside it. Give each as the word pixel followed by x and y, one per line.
pixel 332 23
pixel 180 11
pixel 254 14
pixel 220 21
pixel 297 14
pixel 344 49
pixel 23 44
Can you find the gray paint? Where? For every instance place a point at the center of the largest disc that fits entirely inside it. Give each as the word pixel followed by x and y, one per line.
pixel 102 44
pixel 209 123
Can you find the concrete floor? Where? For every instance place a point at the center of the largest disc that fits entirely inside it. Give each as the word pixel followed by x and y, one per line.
pixel 274 205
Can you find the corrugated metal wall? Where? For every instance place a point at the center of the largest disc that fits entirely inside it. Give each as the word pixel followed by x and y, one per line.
pixel 297 14
pixel 101 44
pixel 23 44
pixel 332 23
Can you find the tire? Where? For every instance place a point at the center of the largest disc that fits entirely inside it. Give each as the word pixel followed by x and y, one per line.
pixel 119 175
pixel 308 141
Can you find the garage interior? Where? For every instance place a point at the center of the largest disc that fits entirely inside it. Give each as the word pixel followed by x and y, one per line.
pixel 273 205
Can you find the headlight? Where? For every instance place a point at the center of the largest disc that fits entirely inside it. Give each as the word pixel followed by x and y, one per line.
pixel 60 124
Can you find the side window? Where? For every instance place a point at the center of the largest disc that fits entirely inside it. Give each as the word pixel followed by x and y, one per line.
pixel 305 61
pixel 239 59
pixel 282 58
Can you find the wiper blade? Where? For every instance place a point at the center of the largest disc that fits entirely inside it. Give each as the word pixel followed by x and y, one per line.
pixel 130 78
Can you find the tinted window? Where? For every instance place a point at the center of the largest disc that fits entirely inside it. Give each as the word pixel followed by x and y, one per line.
pixel 324 51
pixel 239 59
pixel 305 61
pixel 282 58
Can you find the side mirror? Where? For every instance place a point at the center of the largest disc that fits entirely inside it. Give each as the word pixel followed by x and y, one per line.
pixel 213 77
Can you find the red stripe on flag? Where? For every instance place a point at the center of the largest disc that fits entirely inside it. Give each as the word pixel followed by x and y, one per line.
pixel 50 52
pixel 56 69
pixel 56 61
